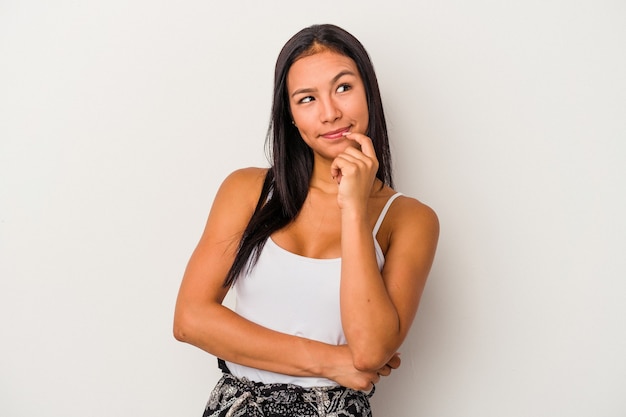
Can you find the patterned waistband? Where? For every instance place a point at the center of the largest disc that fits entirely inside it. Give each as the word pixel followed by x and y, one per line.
pixel 241 397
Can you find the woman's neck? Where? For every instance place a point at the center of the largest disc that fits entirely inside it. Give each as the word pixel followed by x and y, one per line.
pixel 321 177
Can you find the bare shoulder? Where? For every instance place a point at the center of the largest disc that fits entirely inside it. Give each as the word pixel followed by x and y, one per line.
pixel 242 187
pixel 234 203
pixel 245 179
pixel 411 208
pixel 409 216
pixel 412 234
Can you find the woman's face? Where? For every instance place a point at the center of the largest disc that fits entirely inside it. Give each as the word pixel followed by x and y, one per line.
pixel 327 98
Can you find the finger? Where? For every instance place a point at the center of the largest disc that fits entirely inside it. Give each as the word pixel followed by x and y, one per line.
pixel 395 361
pixel 358 154
pixel 366 154
pixel 335 172
pixel 348 164
pixel 351 158
pixel 336 167
pixel 346 161
pixel 376 378
pixel 384 371
pixel 360 159
pixel 365 142
pixel 343 164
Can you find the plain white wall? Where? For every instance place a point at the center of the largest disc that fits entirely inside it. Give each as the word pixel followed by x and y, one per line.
pixel 119 119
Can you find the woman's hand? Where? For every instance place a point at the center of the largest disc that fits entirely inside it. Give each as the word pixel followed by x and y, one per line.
pixel 344 373
pixel 355 172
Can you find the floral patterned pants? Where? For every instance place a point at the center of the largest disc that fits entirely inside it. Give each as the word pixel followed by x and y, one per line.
pixel 239 397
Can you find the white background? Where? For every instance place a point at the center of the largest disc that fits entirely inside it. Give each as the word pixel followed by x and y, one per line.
pixel 119 119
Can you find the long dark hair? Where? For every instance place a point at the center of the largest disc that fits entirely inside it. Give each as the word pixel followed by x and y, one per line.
pixel 287 181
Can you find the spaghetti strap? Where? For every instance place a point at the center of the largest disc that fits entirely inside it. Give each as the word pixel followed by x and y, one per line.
pixel 383 213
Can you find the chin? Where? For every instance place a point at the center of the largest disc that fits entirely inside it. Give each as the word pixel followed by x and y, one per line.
pixel 337 150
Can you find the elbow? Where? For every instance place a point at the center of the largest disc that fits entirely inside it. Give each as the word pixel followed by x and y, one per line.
pixel 371 354
pixel 370 360
pixel 179 333
pixel 181 328
pixel 191 323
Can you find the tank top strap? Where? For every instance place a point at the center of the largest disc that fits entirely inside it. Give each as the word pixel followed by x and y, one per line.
pixel 383 213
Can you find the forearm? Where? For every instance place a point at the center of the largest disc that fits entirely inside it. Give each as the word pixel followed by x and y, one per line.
pixel 370 320
pixel 223 333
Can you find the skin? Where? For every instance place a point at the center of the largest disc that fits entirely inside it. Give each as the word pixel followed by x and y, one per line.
pixel 329 108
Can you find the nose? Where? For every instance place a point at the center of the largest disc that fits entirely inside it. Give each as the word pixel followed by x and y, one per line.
pixel 329 110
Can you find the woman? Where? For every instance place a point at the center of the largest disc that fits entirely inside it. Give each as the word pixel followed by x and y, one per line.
pixel 327 260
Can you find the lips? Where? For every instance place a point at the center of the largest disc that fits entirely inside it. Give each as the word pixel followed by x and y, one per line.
pixel 336 134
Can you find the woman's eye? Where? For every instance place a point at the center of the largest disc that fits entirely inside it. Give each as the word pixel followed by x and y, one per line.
pixel 343 88
pixel 306 99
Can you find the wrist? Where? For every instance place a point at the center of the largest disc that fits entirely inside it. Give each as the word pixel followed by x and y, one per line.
pixel 316 355
pixel 333 361
pixel 354 212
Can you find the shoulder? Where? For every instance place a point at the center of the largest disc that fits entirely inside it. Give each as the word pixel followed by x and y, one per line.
pixel 238 194
pixel 250 177
pixel 409 208
pixel 411 219
pixel 243 185
pixel 411 234
pixel 405 209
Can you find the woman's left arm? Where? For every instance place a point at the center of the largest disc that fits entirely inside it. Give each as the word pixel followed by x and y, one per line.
pixel 378 308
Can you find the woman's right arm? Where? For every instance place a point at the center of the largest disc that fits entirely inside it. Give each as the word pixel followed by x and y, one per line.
pixel 201 320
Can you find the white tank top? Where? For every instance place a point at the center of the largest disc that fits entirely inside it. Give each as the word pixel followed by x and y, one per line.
pixel 295 295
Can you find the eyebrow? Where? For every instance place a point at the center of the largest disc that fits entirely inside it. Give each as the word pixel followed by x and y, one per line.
pixel 332 81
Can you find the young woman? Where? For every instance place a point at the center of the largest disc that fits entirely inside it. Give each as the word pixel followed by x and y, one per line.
pixel 327 260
